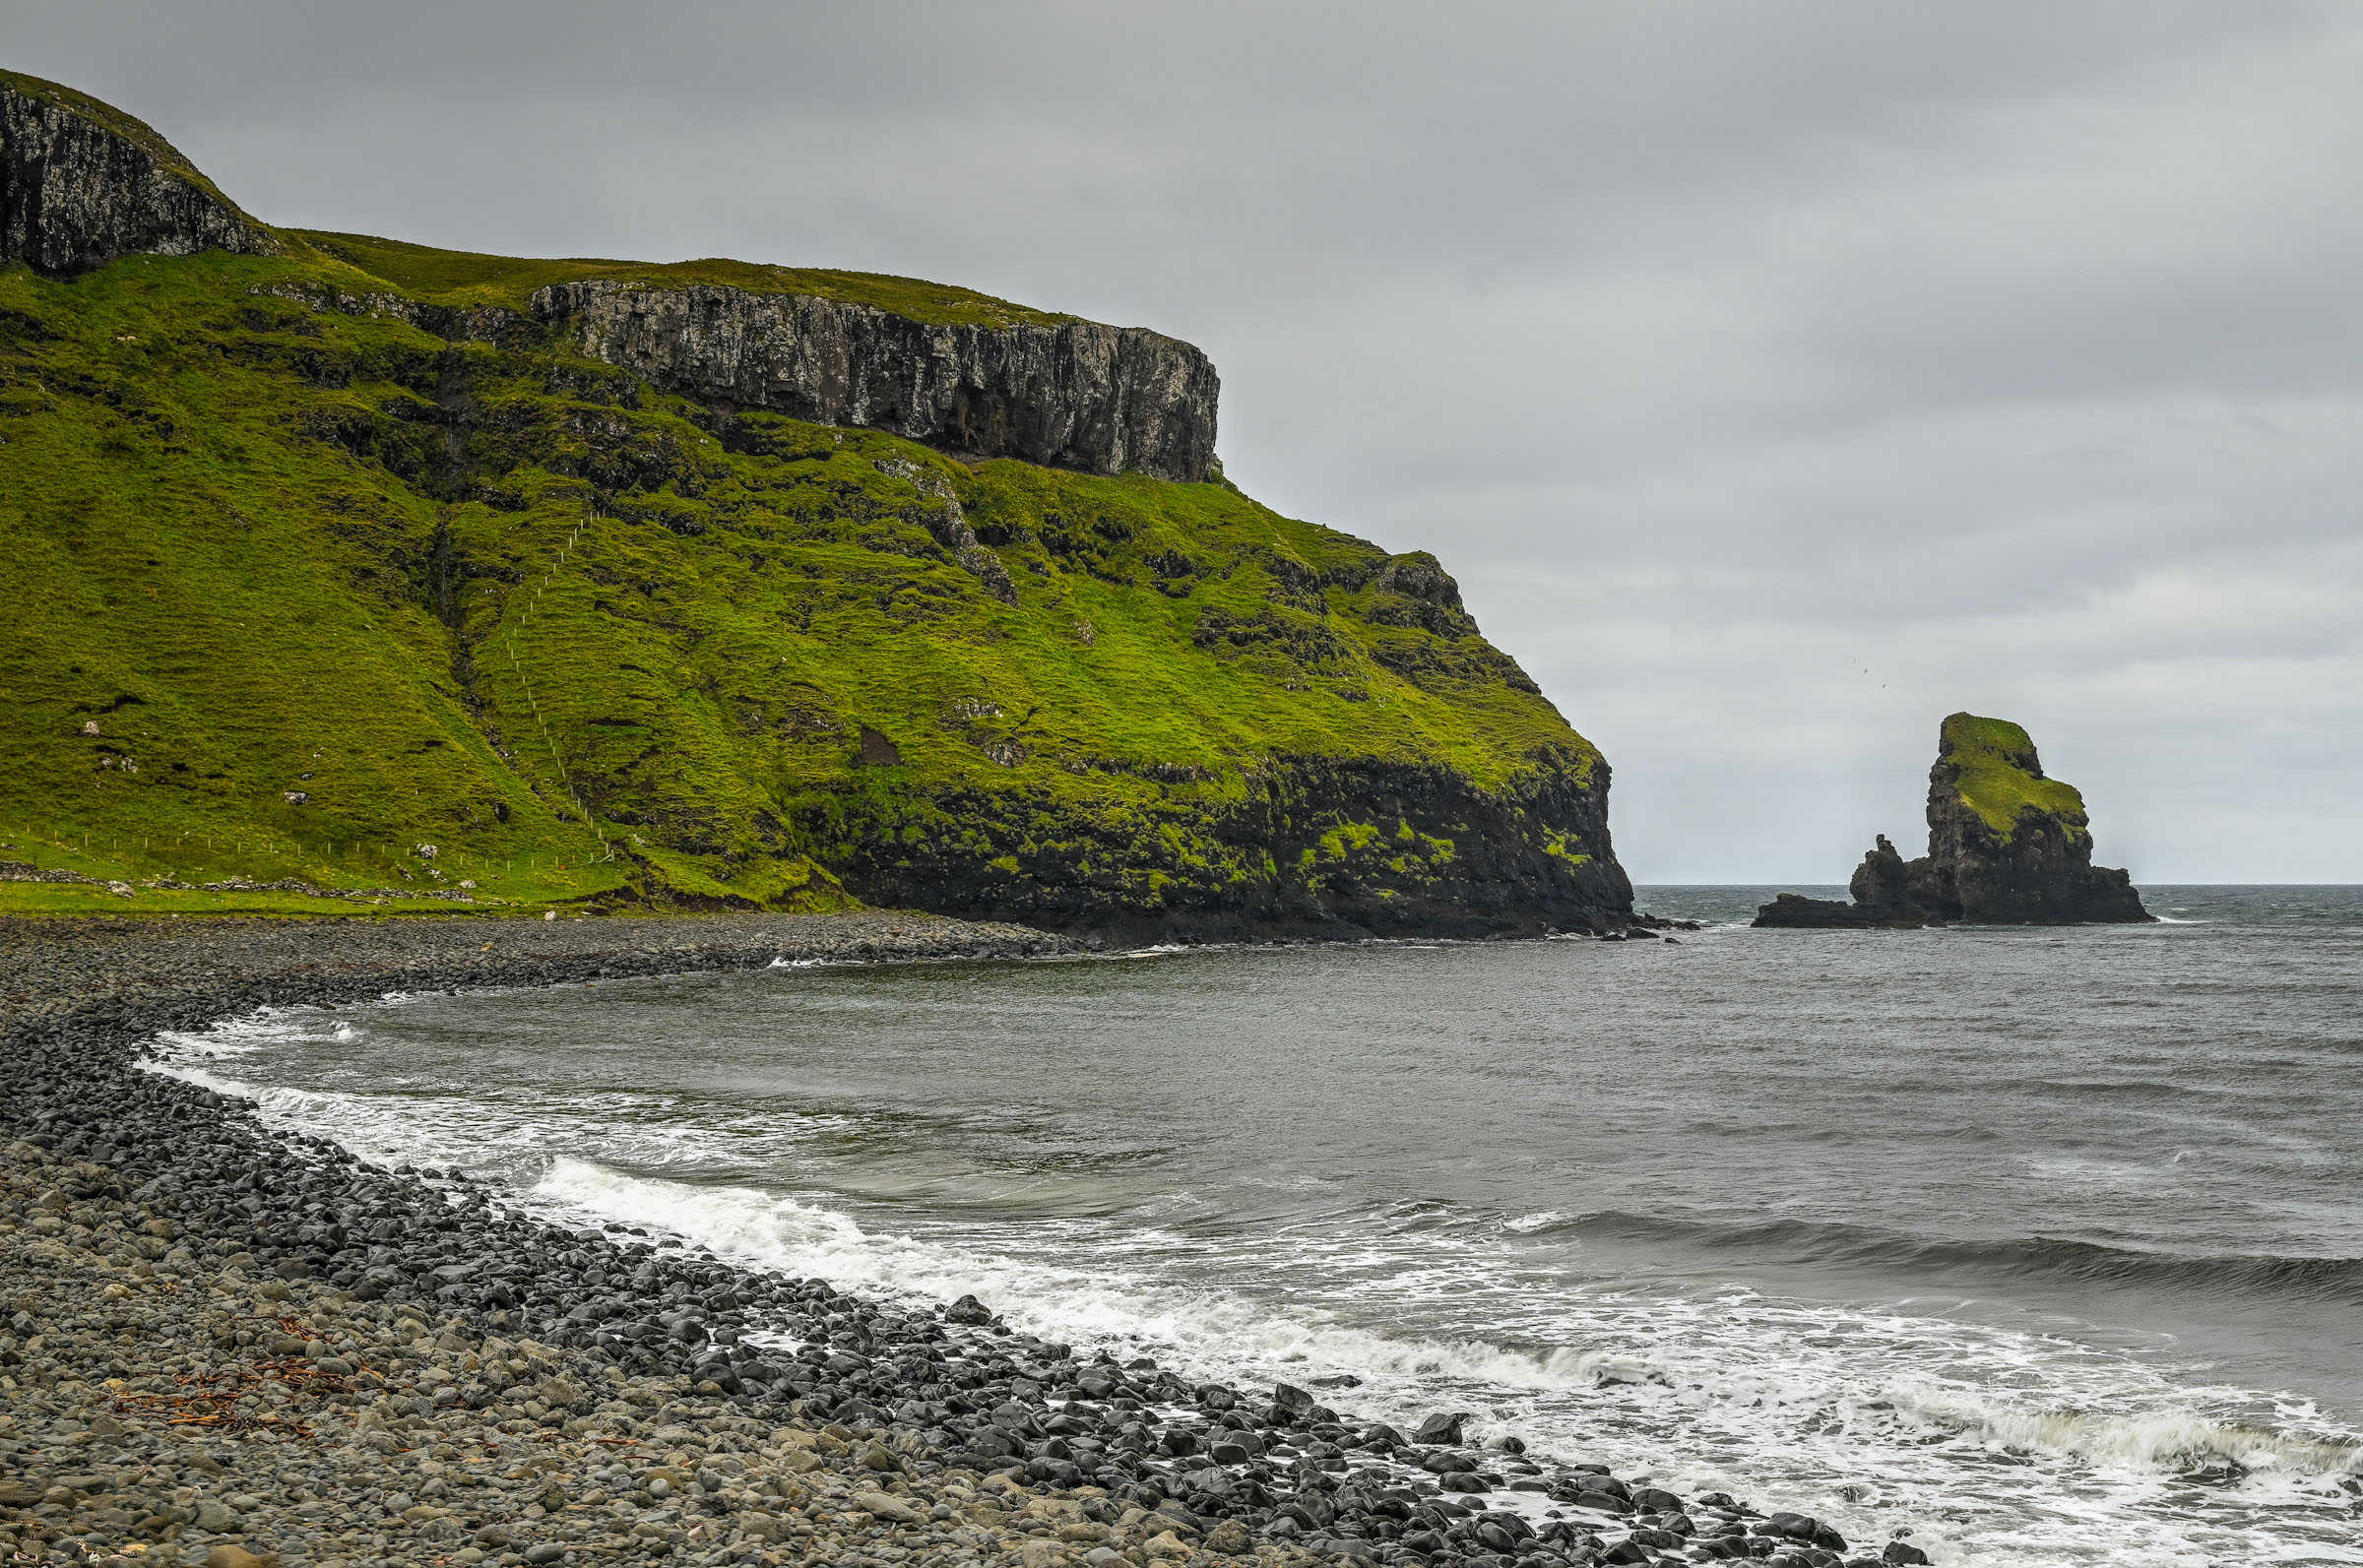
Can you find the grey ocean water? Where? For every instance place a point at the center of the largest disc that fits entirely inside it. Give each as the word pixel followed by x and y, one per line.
pixel 2044 1244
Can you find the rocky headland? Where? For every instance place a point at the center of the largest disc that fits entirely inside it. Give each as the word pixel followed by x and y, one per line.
pixel 2007 845
pixel 702 584
pixel 220 1348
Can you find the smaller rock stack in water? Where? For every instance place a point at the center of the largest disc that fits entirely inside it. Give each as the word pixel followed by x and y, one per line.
pixel 2007 845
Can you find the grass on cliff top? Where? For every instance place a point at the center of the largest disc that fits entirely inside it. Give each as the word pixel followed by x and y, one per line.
pixel 462 278
pixel 2001 776
pixel 107 117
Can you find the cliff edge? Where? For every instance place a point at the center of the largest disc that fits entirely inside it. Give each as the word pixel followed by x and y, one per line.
pixel 2007 845
pixel 1070 394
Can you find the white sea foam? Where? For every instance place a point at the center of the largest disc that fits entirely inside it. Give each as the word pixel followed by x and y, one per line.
pixel 2086 1173
pixel 1862 1442
pixel 253 1031
pixel 1745 1384
pixel 2176 1442
pixel 1072 1303
pixel 1772 1412
pixel 1540 1220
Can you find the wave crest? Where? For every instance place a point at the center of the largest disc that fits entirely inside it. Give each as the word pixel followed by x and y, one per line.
pixel 2314 1279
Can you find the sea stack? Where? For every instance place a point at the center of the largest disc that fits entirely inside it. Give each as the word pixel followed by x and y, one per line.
pixel 2007 845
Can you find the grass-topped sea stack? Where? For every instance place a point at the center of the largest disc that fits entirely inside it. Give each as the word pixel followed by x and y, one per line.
pixel 2007 845
pixel 347 563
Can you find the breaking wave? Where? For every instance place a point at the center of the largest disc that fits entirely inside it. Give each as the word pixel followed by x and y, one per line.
pixel 2336 1280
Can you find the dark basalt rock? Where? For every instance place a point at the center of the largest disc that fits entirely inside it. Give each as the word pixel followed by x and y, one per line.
pixel 1442 1427
pixel 81 185
pixel 2007 845
pixel 1530 856
pixel 1796 911
pixel 1075 395
pixel 1900 891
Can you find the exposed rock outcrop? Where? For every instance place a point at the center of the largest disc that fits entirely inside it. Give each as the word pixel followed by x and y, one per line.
pixel 2007 845
pixel 490 324
pixel 82 184
pixel 1074 395
pixel 949 527
pixel 1318 845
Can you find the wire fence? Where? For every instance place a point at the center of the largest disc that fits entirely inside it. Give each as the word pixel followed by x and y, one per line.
pixel 524 684
pixel 102 846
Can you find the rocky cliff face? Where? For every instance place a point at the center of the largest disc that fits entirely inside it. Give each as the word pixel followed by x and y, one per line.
pixel 1077 395
pixel 81 185
pixel 1319 846
pixel 2007 845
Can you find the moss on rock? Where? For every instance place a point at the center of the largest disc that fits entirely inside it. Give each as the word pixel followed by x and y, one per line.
pixel 1997 775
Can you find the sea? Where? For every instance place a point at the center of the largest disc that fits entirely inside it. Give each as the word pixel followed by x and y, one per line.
pixel 2044 1246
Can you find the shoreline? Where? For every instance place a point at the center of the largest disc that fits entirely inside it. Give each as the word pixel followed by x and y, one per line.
pixel 887 1427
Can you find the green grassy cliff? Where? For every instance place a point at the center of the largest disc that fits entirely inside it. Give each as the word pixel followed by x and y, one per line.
pixel 319 557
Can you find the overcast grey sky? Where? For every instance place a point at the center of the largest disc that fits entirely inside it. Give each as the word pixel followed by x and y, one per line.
pixel 1776 378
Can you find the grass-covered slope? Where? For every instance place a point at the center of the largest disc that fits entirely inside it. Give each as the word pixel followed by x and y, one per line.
pixel 1997 775
pixel 297 586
